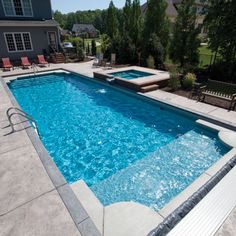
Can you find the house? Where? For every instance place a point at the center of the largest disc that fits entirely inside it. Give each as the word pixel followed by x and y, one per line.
pixel 172 12
pixel 200 13
pixel 27 28
pixel 83 29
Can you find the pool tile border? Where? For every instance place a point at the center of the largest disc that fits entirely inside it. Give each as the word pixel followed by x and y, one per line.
pixel 73 205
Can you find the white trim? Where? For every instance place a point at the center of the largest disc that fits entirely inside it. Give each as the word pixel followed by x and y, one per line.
pixel 21 33
pixel 13 7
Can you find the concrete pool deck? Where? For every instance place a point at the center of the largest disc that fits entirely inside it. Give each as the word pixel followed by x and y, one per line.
pixel 31 203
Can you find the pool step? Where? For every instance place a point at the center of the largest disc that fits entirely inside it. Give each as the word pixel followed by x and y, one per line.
pixel 90 203
pixel 118 219
pixel 149 88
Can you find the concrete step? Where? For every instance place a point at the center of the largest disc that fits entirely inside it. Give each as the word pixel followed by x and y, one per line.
pixel 149 88
pixel 58 58
pixel 118 219
pixel 90 203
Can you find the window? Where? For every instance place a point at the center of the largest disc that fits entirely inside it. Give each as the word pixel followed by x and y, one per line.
pixel 27 42
pixel 17 8
pixel 10 42
pixel 18 42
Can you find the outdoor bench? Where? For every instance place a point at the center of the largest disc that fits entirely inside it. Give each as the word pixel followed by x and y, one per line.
pixel 220 90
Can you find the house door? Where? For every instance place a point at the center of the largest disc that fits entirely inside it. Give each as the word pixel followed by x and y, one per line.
pixel 52 39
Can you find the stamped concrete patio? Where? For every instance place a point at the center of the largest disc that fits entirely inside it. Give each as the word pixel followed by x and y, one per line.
pixel 34 201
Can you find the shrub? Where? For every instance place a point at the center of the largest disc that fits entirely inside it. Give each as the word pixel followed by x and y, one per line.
pixel 80 53
pixel 189 80
pixel 76 41
pixel 174 82
pixel 94 48
pixel 151 62
pixel 78 44
pixel 88 49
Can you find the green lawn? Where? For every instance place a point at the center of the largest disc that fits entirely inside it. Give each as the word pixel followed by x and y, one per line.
pixel 205 56
pixel 97 40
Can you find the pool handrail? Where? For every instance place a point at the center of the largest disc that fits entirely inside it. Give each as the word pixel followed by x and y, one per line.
pixel 23 114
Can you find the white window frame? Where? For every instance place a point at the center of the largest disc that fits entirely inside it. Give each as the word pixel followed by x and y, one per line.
pixel 14 10
pixel 21 33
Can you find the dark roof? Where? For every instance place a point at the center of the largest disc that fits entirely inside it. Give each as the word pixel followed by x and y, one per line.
pixel 197 2
pixel 81 28
pixel 170 10
pixel 25 23
pixel 64 31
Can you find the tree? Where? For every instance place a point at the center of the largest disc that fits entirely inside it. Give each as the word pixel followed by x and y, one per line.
pixel 131 32
pixel 156 23
pixel 94 48
pixel 137 24
pixel 126 46
pixel 60 18
pixel 105 43
pixel 221 24
pixel 88 49
pixel 156 49
pixel 185 41
pixel 112 21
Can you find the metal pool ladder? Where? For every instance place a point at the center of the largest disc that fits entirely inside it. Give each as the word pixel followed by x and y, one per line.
pixel 23 114
pixel 35 69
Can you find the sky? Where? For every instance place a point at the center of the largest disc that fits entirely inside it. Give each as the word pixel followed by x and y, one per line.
pixel 66 6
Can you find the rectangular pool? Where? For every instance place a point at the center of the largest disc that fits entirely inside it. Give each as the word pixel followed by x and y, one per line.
pixel 131 74
pixel 124 148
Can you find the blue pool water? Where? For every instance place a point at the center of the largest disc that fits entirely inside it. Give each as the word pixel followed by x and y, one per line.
pixel 131 74
pixel 124 148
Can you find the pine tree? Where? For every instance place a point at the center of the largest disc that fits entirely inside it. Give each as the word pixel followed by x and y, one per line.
pixel 88 49
pixel 156 27
pixel 94 48
pixel 131 32
pixel 185 42
pixel 126 47
pixel 112 21
pixel 137 24
pixel 221 24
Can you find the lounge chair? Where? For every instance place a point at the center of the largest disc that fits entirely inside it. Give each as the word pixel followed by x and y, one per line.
pixel 25 63
pixel 41 61
pixel 6 64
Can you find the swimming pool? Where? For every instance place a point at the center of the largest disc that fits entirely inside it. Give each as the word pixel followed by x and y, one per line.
pixel 131 74
pixel 124 148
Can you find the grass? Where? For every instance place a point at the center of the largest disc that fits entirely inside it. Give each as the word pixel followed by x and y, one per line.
pixel 98 42
pixel 205 56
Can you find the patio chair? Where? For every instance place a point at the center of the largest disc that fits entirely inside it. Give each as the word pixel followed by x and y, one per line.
pixel 96 62
pixel 25 63
pixel 41 61
pixel 6 64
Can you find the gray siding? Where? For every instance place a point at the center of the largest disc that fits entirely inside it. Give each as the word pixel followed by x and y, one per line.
pixel 39 39
pixel 41 10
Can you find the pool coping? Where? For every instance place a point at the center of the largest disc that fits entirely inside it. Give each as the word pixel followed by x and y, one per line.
pixel 71 202
pixel 58 180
